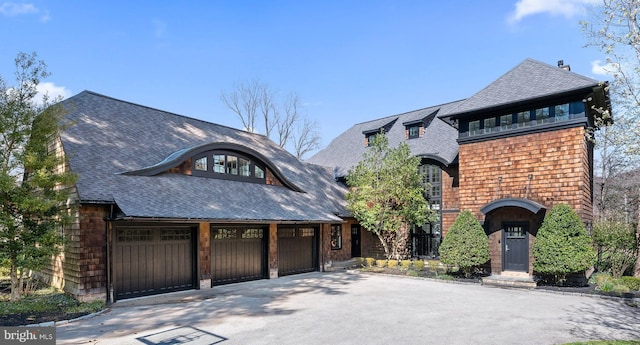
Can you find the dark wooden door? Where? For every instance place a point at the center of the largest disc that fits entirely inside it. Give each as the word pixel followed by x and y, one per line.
pixel 237 254
pixel 152 260
pixel 515 247
pixel 297 250
pixel 356 249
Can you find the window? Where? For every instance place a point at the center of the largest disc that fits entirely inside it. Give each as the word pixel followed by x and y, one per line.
pixel 523 118
pixel 258 173
pixel 252 233
pixel 562 112
pixel 432 181
pixel 506 121
pixel 224 234
pixel 244 166
pixel 414 131
pixel 232 165
pixel 201 164
pixel 307 232
pixel 474 127
pixel 336 237
pixel 218 164
pixel 228 165
pixel 489 124
pixel 371 137
pixel 542 115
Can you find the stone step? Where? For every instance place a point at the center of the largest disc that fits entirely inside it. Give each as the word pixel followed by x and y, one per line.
pixel 509 281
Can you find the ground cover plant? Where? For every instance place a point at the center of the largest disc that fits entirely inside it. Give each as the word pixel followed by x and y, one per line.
pixel 40 304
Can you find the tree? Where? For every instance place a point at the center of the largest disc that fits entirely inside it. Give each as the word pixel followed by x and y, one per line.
pixel 615 30
pixel 616 244
pixel 562 245
pixel 282 120
pixel 466 244
pixel 31 174
pixel 386 194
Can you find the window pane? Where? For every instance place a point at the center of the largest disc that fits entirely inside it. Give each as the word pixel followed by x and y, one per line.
pixel 232 165
pixel 542 115
pixel 336 236
pixel 244 167
pixel 218 164
pixel 523 118
pixel 201 164
pixel 435 173
pixel 258 173
pixel 506 121
pixel 474 127
pixel 414 132
pixel 562 112
pixel 489 124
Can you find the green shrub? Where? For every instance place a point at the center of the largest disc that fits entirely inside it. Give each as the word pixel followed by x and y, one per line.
pixel 381 263
pixel 616 244
pixel 405 264
pixel 562 245
pixel 418 265
pixel 632 283
pixel 392 263
pixel 370 261
pixel 359 261
pixel 466 244
pixel 413 273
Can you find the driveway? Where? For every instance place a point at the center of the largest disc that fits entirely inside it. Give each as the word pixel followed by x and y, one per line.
pixel 351 308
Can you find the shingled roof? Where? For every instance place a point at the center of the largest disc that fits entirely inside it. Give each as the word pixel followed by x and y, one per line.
pixel 530 80
pixel 110 137
pixel 438 142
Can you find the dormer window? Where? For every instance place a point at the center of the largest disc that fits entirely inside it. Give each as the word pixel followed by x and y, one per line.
pixel 413 131
pixel 370 136
pixel 228 165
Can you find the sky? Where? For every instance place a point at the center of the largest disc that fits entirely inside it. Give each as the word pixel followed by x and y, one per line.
pixel 349 61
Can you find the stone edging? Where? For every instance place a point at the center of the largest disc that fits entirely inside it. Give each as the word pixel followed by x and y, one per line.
pixel 62 322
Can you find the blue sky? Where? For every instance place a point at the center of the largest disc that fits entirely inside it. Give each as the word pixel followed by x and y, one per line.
pixel 349 61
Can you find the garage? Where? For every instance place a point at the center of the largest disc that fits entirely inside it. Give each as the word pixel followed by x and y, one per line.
pixel 297 250
pixel 150 260
pixel 238 254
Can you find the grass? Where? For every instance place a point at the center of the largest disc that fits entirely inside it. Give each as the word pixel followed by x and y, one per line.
pixel 607 342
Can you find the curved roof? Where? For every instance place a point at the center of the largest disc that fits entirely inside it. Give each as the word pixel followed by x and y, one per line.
pixel 110 136
pixel 527 204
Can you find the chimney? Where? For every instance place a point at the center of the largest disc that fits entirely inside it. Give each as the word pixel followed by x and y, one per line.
pixel 563 66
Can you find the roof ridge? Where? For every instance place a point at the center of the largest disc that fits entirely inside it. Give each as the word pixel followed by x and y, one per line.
pixel 164 111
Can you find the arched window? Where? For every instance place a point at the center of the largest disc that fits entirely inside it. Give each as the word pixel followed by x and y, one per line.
pixel 228 165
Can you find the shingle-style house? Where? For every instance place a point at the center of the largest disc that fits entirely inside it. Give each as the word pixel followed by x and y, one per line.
pixel 507 153
pixel 165 202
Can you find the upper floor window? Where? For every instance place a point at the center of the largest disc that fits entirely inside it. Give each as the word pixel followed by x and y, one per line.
pixel 371 136
pixel 413 131
pixel 224 164
pixel 525 118
pixel 432 179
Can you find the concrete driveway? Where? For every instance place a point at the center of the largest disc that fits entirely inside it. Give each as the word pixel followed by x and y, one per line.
pixel 351 308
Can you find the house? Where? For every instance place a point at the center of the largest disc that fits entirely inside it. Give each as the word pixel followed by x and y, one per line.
pixel 165 202
pixel 507 153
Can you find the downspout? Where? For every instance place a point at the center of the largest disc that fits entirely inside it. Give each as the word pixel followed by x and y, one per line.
pixel 108 222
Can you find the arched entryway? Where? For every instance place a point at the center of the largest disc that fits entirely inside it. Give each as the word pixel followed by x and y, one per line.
pixel 512 225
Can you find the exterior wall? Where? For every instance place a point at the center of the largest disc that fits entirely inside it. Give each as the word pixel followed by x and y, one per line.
pixel 450 197
pixel 81 268
pixel 549 168
pixel 371 246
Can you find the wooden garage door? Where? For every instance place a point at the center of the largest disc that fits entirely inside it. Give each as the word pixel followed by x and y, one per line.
pixel 238 254
pixel 297 250
pixel 151 260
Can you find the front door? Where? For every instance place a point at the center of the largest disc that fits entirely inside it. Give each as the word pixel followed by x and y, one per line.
pixel 515 247
pixel 355 241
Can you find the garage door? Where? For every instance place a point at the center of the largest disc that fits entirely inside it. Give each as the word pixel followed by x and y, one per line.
pixel 297 250
pixel 152 260
pixel 238 254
